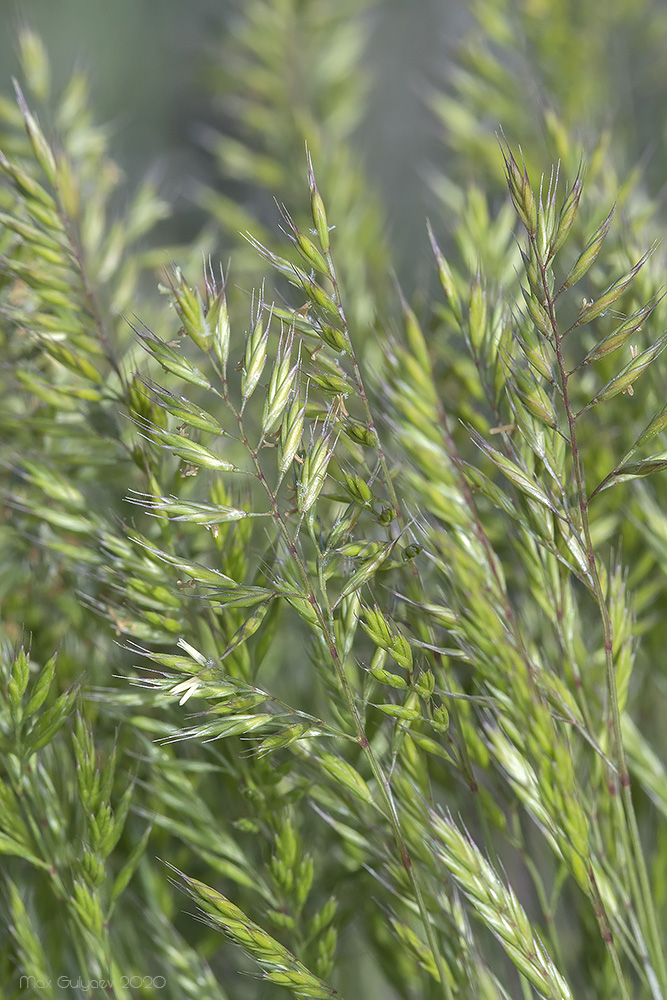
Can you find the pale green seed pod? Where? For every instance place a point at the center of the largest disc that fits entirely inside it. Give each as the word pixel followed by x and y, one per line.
pixel 386 516
pixel 333 338
pixel 310 253
pixel 446 279
pixel 303 880
pixel 377 627
pixel 358 489
pixel 304 608
pixel 222 333
pixel 530 206
pixel 314 473
pixel 401 651
pixel 320 219
pixel 323 917
pixel 620 334
pixel 31 189
pixel 566 217
pixel 290 434
pixel 317 208
pixel 386 677
pixel 628 375
pixel 361 434
pixel 199 319
pixel 522 194
pixel 192 452
pixel 255 358
pixel 333 384
pixel 281 385
pixel 591 310
pixel 346 777
pixel 589 253
pixel 319 297
pixel 440 720
pixel 477 318
pixel 343 526
pixel 655 425
pixel 367 570
pixel 35 63
pixel 539 315
pixel 40 147
pixel 274 406
pixel 425 684
pixel 19 679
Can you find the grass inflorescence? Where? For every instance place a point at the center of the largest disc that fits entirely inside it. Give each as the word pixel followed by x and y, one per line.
pixel 332 629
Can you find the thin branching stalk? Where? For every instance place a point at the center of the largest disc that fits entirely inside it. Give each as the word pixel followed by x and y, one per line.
pixel 325 623
pixel 642 891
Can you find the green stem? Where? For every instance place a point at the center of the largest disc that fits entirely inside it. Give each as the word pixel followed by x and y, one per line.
pixel 642 890
pixel 72 230
pixel 348 694
pixel 361 389
pixel 466 764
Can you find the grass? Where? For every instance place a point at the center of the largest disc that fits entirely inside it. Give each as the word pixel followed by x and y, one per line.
pixel 332 622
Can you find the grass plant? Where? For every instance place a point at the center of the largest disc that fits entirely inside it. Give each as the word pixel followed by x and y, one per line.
pixel 332 624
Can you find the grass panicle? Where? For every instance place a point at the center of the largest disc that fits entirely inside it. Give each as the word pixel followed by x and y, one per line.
pixel 334 610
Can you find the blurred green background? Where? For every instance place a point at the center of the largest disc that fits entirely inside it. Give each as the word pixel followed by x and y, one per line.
pixel 147 61
pixel 147 65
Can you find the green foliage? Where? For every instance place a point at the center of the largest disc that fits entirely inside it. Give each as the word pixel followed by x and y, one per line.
pixel 347 608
